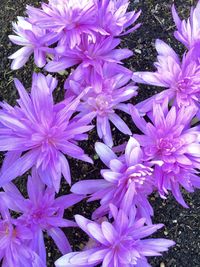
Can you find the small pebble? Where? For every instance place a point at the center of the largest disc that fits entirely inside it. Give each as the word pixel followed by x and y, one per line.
pixel 138 51
pixel 96 157
pixel 165 233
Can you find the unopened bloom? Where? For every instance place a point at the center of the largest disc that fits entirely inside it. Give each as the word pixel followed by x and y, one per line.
pixel 34 40
pixel 181 79
pixel 188 31
pixel 114 18
pixel 120 243
pixel 15 239
pixel 42 131
pixel 169 138
pixel 105 96
pixel 128 180
pixel 41 212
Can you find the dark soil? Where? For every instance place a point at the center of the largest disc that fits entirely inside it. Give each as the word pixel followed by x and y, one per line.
pixel 181 225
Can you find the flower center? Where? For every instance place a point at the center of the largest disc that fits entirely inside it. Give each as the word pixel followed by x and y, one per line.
pixel 165 144
pixel 188 85
pixel 122 243
pixel 168 146
pixel 47 136
pixel 138 174
pixel 9 230
pixel 102 102
pixel 39 215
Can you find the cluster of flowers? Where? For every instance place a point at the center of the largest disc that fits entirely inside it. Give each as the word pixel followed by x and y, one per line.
pixel 37 134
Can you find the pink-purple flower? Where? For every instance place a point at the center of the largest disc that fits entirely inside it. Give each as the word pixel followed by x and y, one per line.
pixel 169 138
pixel 121 243
pixel 88 54
pixel 74 28
pixel 188 31
pixel 41 212
pixel 127 182
pixel 15 239
pixel 41 132
pixel 180 78
pixel 105 96
pixel 114 18
pixel 34 40
pixel 69 19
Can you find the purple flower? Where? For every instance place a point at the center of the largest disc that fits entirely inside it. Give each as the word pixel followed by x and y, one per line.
pixel 69 19
pixel 181 79
pixel 41 212
pixel 114 18
pixel 105 96
pixel 128 181
pixel 89 54
pixel 42 131
pixel 121 243
pixel 188 31
pixel 78 31
pixel 34 40
pixel 169 138
pixel 15 239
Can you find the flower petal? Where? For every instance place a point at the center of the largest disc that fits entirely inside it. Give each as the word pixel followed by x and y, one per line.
pixel 105 153
pixel 89 186
pixel 60 239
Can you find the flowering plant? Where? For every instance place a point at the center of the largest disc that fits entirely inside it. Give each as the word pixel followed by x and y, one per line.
pixel 40 135
pixel 119 243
